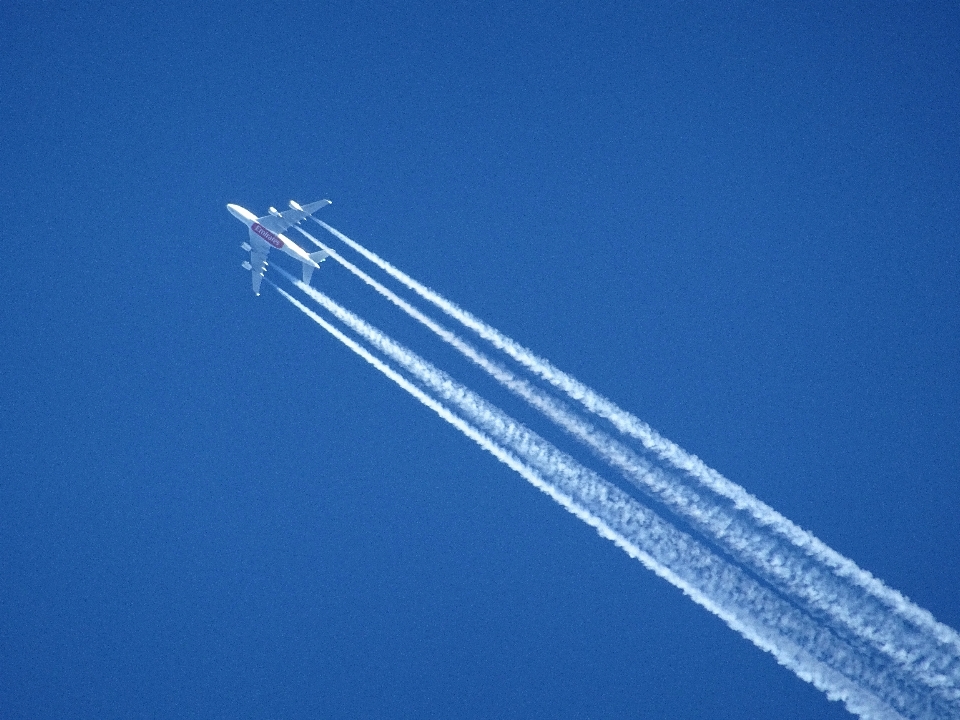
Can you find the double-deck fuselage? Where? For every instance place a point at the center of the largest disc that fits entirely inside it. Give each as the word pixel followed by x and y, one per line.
pixel 266 239
pixel 266 234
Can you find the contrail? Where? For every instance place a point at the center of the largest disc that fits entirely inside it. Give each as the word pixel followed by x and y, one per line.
pixel 933 652
pixel 867 685
pixel 755 611
pixel 785 566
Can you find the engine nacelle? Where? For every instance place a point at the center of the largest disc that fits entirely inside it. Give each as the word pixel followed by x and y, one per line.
pixel 274 211
pixel 246 265
pixel 246 247
pixel 295 205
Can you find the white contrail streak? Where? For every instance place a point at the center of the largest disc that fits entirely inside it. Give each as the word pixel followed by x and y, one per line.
pixel 785 566
pixel 934 655
pixel 813 653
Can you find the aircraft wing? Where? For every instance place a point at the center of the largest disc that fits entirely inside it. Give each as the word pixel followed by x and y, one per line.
pixel 258 266
pixel 283 221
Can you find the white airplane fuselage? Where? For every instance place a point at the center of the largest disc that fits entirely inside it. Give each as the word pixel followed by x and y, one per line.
pixel 263 239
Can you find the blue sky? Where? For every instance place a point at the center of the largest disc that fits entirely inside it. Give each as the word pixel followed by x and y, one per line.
pixel 738 222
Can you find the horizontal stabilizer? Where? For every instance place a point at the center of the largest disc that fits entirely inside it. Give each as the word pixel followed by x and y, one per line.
pixel 318 257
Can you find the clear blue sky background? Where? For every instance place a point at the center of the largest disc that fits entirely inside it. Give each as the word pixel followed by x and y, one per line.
pixel 739 222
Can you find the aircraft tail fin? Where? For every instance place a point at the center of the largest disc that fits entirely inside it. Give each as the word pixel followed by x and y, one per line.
pixel 318 257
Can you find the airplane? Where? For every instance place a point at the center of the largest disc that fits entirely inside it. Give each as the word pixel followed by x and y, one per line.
pixel 267 232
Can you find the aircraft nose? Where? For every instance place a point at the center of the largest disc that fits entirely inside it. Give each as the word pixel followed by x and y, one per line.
pixel 234 210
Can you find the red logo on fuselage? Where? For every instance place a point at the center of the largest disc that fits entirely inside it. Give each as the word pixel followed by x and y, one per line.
pixel 267 235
